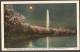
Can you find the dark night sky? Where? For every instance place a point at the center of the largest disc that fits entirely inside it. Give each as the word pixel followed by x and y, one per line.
pixel 61 15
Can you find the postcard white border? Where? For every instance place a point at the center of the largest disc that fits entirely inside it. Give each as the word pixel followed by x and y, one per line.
pixel 35 2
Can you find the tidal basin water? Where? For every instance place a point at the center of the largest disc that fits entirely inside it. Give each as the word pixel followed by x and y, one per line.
pixel 56 41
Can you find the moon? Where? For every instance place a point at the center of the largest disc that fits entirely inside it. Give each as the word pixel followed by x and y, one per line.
pixel 30 7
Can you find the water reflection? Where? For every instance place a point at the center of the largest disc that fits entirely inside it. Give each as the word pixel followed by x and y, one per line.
pixel 30 44
pixel 57 41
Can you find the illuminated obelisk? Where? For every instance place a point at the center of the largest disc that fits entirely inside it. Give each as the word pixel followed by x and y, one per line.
pixel 47 26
